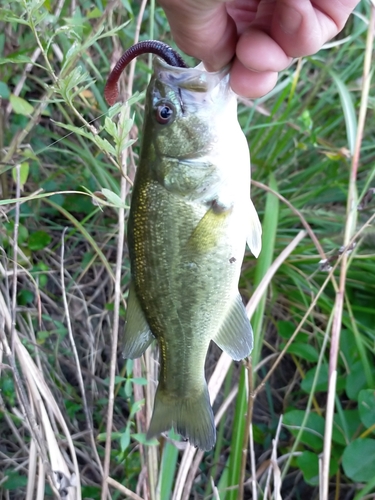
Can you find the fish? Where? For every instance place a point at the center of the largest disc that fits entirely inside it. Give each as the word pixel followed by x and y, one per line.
pixel 190 218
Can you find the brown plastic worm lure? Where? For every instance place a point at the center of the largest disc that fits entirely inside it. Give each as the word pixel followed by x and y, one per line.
pixel 161 49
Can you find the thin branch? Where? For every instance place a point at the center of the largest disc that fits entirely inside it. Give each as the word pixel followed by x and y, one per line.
pixel 128 493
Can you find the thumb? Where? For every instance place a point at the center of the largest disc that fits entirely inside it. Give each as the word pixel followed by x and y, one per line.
pixel 301 27
pixel 203 30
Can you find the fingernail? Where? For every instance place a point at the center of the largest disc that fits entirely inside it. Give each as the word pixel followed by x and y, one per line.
pixel 290 20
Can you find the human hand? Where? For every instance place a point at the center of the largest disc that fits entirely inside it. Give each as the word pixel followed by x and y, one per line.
pixel 263 36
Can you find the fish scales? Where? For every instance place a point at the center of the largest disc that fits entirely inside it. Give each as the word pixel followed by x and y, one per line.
pixel 190 218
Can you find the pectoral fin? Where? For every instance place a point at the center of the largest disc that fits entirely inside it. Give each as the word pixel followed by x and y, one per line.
pixel 137 336
pixel 235 336
pixel 210 228
pixel 254 234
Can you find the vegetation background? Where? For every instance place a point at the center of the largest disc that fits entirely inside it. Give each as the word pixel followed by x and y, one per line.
pixel 297 420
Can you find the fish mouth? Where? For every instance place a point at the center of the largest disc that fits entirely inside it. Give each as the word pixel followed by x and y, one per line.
pixel 196 79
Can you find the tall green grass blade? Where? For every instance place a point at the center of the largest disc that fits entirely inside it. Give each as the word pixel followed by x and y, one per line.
pixel 362 351
pixel 269 229
pixel 167 470
pixel 348 110
pixel 238 433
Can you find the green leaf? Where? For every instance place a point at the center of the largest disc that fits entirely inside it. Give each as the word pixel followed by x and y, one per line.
pixel 39 270
pixel 125 440
pixel 348 347
pixel 355 381
pixel 366 406
pixel 16 59
pixel 312 435
pixel 114 110
pixel 120 132
pixel 8 15
pixel 128 7
pixel 348 109
pixel 308 462
pixel 304 351
pixel 141 438
pixel 139 381
pixel 25 297
pixel 94 13
pixel 78 130
pixel 322 382
pixel 15 481
pixel 113 198
pixel 358 460
pixel 103 435
pixel 286 329
pixel 345 426
pixel 128 388
pixel 136 97
pixel 110 127
pixel 125 144
pixel 23 175
pixel 42 336
pixel 305 120
pixel 91 491
pixel 39 240
pixel 136 407
pixel 104 145
pixel 4 90
pixel 20 105
pixel 71 85
pixel 23 234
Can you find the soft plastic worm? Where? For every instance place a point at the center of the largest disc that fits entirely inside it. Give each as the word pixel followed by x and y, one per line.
pixel 161 49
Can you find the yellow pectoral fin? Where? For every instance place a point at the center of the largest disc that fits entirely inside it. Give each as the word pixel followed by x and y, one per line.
pixel 209 230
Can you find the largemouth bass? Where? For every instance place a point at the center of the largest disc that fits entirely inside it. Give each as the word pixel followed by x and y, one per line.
pixel 190 218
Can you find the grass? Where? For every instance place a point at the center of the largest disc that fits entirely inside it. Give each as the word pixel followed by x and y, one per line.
pixel 69 403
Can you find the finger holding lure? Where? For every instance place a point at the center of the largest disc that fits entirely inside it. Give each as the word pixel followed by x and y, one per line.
pixel 190 217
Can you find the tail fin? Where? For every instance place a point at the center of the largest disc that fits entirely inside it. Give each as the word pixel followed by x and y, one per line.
pixel 192 417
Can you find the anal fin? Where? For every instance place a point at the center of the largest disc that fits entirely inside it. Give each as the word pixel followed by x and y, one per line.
pixel 137 336
pixel 235 336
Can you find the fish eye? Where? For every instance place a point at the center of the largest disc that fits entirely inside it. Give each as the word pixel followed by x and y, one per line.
pixel 164 114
